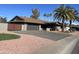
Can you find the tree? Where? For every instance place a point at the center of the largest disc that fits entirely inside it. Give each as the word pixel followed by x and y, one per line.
pixel 66 13
pixel 61 15
pixel 48 15
pixel 72 15
pixel 5 19
pixel 35 13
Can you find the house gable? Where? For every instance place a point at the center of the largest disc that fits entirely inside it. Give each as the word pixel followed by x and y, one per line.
pixel 17 19
pixel 24 19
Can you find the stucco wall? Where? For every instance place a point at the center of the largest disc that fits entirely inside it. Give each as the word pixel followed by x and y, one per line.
pixel 3 26
pixel 40 29
pixel 24 27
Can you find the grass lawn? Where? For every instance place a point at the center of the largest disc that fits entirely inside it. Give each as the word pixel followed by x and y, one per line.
pixel 8 36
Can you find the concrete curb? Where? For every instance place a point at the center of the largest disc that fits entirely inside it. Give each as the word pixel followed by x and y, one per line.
pixel 68 48
pixel 63 46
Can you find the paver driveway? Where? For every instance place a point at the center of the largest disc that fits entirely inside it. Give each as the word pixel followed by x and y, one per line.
pixel 25 44
pixel 44 34
pixel 29 43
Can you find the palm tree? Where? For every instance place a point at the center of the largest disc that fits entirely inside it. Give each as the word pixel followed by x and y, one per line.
pixel 35 13
pixel 72 15
pixel 61 15
pixel 66 13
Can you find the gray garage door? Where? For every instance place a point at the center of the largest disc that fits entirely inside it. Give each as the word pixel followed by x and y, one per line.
pixel 32 27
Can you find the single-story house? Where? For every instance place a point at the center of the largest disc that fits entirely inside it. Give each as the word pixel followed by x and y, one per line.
pixel 19 23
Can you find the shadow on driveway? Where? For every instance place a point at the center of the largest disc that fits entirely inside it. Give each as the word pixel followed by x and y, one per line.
pixel 44 34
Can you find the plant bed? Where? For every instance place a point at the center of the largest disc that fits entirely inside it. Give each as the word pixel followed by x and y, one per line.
pixel 4 36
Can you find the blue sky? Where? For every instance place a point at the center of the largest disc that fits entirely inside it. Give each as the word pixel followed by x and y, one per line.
pixel 11 10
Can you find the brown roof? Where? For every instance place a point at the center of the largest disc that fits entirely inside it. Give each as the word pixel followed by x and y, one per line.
pixel 27 20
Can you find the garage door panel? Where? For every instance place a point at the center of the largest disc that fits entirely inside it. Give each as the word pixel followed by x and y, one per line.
pixel 32 27
pixel 14 27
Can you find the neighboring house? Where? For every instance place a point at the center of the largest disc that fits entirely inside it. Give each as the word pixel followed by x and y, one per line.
pixel 19 23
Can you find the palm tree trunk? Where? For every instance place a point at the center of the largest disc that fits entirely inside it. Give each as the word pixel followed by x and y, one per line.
pixel 70 25
pixel 62 25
